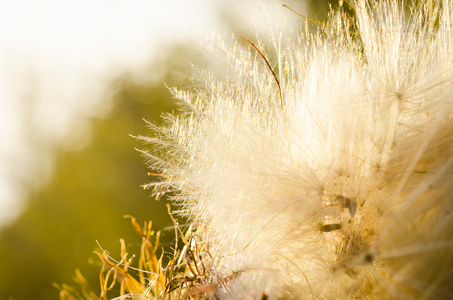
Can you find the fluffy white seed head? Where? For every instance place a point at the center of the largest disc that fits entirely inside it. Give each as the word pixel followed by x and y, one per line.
pixel 342 188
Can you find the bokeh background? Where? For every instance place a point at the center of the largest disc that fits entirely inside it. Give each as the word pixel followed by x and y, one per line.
pixel 77 78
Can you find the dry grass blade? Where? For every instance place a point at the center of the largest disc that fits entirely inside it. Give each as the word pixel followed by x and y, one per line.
pixel 260 53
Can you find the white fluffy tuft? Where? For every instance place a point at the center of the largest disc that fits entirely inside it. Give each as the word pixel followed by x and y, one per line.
pixel 342 188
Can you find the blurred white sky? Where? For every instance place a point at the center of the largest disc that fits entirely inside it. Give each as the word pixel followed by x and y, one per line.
pixel 56 60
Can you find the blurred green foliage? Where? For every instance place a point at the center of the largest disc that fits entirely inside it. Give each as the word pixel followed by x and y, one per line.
pixel 90 192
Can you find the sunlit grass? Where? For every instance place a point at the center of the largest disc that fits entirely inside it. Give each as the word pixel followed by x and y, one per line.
pixel 184 275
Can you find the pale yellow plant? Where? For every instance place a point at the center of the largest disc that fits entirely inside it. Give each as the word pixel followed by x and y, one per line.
pixel 322 168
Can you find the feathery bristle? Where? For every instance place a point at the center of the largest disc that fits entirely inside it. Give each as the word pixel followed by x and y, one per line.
pixel 326 172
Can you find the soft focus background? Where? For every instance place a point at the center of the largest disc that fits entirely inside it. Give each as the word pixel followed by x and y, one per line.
pixel 76 78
